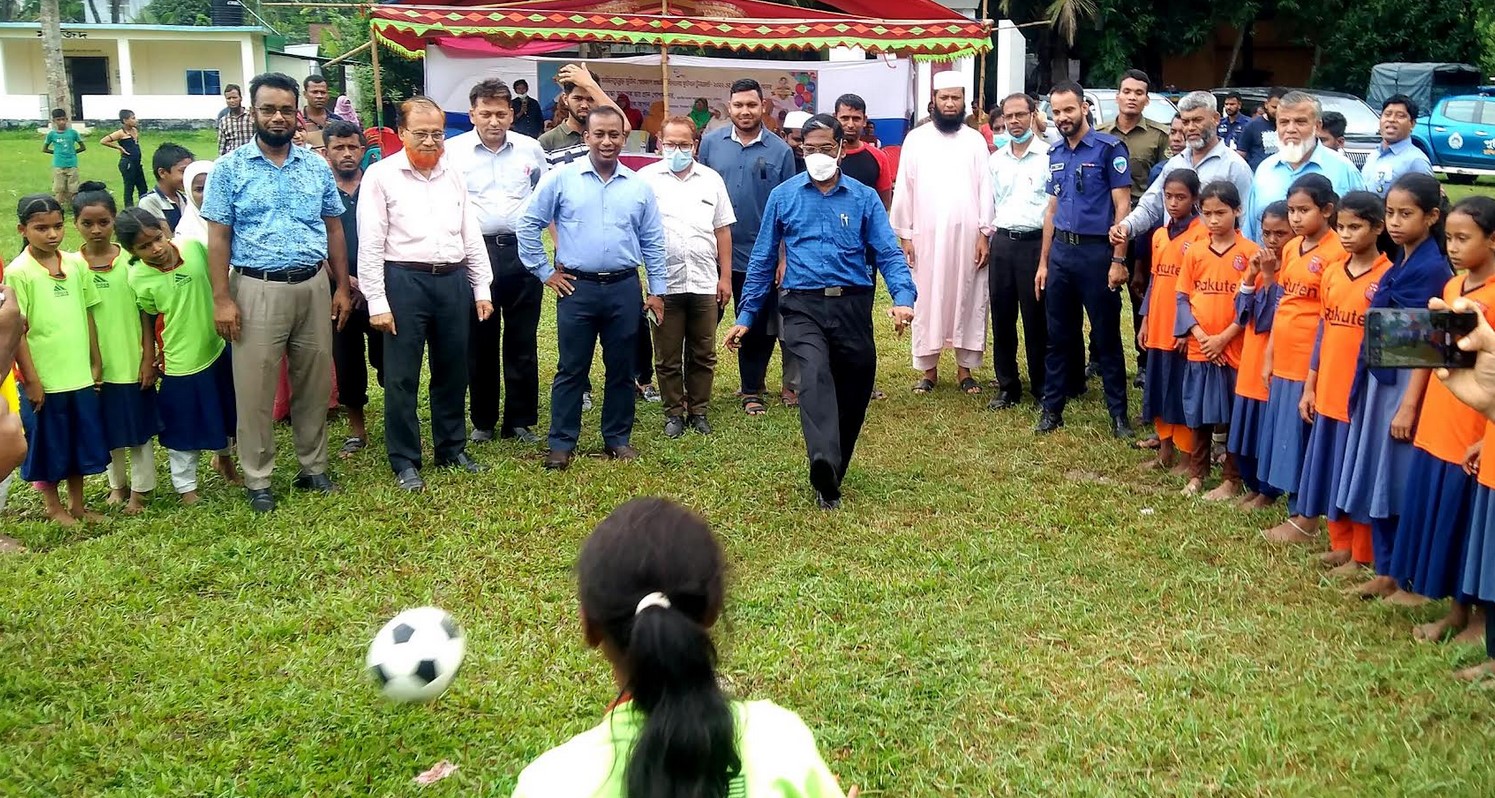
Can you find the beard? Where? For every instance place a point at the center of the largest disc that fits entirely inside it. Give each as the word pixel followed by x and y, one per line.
pixel 1296 152
pixel 425 161
pixel 1199 144
pixel 275 139
pixel 947 123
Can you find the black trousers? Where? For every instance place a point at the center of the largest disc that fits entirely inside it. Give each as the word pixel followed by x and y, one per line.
pixel 643 352
pixel 757 345
pixel 831 339
pixel 504 349
pixel 1077 287
pixel 428 309
pixel 134 178
pixel 1014 266
pixel 595 312
pixel 349 345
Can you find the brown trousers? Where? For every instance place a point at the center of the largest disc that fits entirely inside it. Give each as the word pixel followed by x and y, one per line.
pixel 295 322
pixel 1199 459
pixel 685 353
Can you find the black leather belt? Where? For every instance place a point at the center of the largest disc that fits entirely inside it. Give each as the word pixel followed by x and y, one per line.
pixel 503 239
pixel 1019 235
pixel 425 268
pixel 292 276
pixel 1077 240
pixel 839 290
pixel 603 277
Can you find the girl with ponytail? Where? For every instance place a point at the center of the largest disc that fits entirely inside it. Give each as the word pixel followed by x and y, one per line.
pixel 651 584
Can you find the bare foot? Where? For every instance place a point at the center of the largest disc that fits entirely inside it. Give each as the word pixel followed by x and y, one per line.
pixel 1334 559
pixel 226 469
pixel 1378 587
pixel 1436 631
pixel 1244 502
pixel 190 498
pixel 88 516
pixel 1261 502
pixel 117 497
pixel 1478 673
pixel 1152 465
pixel 1180 469
pixel 1347 570
pixel 135 507
pixel 1224 492
pixel 1194 486
pixel 1402 598
pixel 1293 530
pixel 62 517
pixel 1474 630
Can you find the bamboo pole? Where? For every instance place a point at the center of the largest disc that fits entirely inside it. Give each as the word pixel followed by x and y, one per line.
pixel 664 62
pixel 345 56
pixel 981 74
pixel 378 83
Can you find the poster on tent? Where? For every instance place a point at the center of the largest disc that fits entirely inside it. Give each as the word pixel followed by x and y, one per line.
pixel 784 90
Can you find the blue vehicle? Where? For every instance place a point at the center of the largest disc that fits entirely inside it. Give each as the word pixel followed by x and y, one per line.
pixel 1459 137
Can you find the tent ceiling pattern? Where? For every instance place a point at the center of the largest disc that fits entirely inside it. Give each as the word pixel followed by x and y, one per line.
pixel 408 28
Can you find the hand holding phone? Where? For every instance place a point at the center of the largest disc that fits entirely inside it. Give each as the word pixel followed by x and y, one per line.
pixel 1417 338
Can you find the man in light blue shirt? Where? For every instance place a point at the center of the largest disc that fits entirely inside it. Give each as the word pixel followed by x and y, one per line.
pixel 1397 154
pixel 607 224
pixel 1299 154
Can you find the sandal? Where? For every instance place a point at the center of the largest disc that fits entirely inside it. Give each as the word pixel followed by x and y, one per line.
pixel 752 404
pixel 924 386
pixel 789 399
pixel 353 445
pixel 969 386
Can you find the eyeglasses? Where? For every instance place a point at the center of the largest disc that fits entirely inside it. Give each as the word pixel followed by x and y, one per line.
pixel 828 149
pixel 1014 117
pixel 270 111
pixel 423 135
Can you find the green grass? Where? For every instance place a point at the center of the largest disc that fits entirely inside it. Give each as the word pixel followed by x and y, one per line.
pixel 991 614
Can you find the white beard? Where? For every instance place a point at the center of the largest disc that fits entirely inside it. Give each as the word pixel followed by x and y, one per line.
pixel 1294 153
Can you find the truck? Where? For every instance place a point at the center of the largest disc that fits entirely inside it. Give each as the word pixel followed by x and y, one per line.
pixel 1458 136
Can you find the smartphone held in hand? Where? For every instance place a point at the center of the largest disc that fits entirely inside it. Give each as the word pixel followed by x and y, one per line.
pixel 1417 338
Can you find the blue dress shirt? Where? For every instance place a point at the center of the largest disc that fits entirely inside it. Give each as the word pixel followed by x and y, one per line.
pixel 1386 164
pixel 276 212
pixel 825 239
pixel 1081 178
pixel 600 226
pixel 750 173
pixel 1274 177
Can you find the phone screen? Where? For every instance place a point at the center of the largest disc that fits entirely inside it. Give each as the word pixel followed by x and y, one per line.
pixel 1417 338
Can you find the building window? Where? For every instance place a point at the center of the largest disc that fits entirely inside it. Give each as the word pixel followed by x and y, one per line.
pixel 203 82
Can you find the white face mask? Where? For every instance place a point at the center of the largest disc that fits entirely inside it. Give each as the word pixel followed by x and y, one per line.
pixel 677 160
pixel 820 166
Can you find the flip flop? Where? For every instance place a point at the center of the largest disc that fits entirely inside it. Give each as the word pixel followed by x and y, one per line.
pixel 923 386
pixel 969 386
pixel 753 405
pixel 789 399
pixel 352 446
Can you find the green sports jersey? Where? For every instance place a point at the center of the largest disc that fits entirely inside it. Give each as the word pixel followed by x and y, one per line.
pixel 64 148
pixel 117 320
pixel 189 340
pixel 56 311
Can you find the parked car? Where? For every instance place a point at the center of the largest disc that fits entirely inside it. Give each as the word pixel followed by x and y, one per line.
pixel 1459 137
pixel 1362 134
pixel 1160 110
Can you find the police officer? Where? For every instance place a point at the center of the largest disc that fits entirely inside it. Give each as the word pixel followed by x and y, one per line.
pixel 1090 182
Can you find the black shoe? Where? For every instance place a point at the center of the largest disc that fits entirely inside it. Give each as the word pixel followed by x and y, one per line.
pixel 409 481
pixel 481 435
pixel 826 504
pixel 464 463
pixel 318 483
pixel 625 453
pixel 260 500
pixel 523 435
pixel 674 427
pixel 1121 429
pixel 825 482
pixel 1139 381
pixel 1091 370
pixel 699 424
pixel 1002 403
pixel 557 460
pixel 1049 422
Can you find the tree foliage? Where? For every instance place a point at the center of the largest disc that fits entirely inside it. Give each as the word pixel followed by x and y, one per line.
pixel 178 12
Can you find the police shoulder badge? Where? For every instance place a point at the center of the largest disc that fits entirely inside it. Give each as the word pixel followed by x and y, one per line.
pixel 1119 164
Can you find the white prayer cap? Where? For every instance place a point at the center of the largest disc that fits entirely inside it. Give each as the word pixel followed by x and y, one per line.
pixel 795 120
pixel 950 80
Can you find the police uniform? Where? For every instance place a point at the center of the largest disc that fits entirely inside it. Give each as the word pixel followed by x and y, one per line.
pixel 1081 180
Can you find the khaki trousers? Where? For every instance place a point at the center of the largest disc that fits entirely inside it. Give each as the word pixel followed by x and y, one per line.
pixel 685 353
pixel 282 320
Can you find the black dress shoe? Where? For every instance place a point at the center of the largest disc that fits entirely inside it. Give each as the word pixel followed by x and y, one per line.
pixel 1049 422
pixel 699 424
pixel 409 481
pixel 1121 429
pixel 1092 370
pixel 464 463
pixel 1139 381
pixel 481 435
pixel 558 460
pixel 624 453
pixel 825 503
pixel 1001 403
pixel 523 435
pixel 674 427
pixel 260 500
pixel 318 483
pixel 824 480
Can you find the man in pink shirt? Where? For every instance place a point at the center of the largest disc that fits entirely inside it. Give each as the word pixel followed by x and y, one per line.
pixel 423 264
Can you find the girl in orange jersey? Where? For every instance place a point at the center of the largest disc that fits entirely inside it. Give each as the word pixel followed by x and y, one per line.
pixel 1306 259
pixel 1471 245
pixel 1385 402
pixel 1162 391
pixel 1429 555
pixel 1256 305
pixel 1346 293
pixel 1208 321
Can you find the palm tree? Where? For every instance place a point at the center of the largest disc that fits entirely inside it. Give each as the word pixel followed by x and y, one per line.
pixel 57 88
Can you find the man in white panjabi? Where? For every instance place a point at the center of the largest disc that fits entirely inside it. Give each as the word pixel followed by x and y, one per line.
pixel 941 201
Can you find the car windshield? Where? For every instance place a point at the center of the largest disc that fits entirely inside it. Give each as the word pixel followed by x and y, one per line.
pixel 1159 109
pixel 1359 118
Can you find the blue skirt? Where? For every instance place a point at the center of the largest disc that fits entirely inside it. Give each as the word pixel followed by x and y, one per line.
pixel 1246 418
pixel 65 438
pixel 1284 436
pixel 130 417
pixel 1163 389
pixel 197 411
pixel 1209 391
pixel 1434 528
pixel 1374 487
pixel 1323 463
pixel 1479 556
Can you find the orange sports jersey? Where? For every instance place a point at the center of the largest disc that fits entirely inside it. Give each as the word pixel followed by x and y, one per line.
pixel 1248 380
pixel 1211 280
pixel 1446 427
pixel 1167 261
pixel 1297 320
pixel 1346 298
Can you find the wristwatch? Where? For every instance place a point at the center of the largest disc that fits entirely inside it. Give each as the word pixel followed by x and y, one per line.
pixel 1118 261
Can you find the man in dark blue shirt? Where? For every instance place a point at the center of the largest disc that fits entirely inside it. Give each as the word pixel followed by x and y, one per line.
pixel 825 224
pixel 1261 130
pixel 1232 121
pixel 1090 182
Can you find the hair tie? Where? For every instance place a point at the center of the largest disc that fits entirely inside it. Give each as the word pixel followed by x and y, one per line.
pixel 655 599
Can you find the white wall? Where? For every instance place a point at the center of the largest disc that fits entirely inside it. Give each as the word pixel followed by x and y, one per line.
pixel 23 106
pixel 147 107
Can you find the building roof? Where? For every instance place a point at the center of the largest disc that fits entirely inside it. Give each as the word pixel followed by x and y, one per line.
pixel 126 28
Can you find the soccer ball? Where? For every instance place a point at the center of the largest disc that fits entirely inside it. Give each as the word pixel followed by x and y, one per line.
pixel 416 655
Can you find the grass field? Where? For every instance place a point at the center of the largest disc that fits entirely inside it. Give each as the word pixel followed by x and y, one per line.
pixel 990 614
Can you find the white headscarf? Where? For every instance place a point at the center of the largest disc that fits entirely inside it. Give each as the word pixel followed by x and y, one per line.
pixel 191 224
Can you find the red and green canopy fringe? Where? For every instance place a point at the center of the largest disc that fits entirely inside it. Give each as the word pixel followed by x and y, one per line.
pixel 407 30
